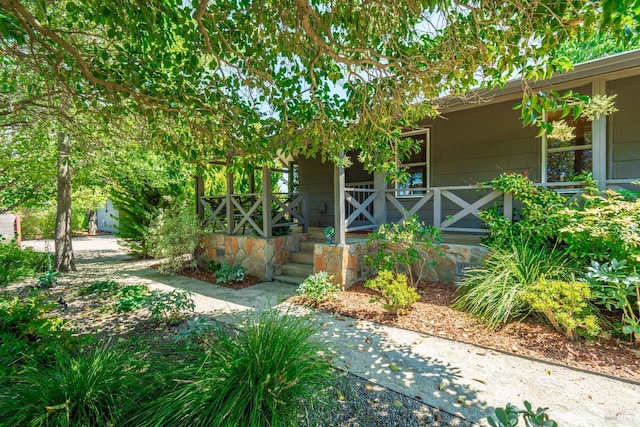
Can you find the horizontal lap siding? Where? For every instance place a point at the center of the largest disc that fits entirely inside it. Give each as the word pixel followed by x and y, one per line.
pixel 624 129
pixel 478 144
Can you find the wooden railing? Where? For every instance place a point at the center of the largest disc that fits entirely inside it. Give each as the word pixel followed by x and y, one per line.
pixel 359 197
pixel 234 213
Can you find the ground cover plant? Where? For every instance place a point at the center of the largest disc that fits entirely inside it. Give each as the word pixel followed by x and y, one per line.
pixel 17 263
pixel 318 288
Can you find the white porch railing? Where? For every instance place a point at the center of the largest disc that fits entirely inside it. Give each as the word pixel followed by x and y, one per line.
pixel 232 213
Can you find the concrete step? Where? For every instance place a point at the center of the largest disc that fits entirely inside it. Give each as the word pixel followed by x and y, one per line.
pixel 299 270
pixel 294 280
pixel 302 257
pixel 309 245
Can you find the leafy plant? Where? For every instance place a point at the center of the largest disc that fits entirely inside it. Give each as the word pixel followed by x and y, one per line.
pixel 329 232
pixel 168 306
pixel 227 273
pixel 617 287
pixel 50 276
pixel 396 294
pixel 509 416
pixel 565 305
pixel 401 248
pixel 99 287
pixel 130 298
pixel 175 235
pixel 262 375
pixel 493 291
pixel 29 336
pixel 97 387
pixel 17 263
pixel 318 287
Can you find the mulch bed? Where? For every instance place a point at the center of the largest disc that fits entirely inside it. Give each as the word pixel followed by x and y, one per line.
pixel 206 276
pixel 432 315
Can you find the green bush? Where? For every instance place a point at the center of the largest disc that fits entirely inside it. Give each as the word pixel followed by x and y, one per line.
pixel 225 273
pixel 41 223
pixel 131 298
pixel 264 375
pixel 175 235
pixel 400 248
pixel 605 227
pixel 28 335
pixel 397 295
pixel 617 287
pixel 318 288
pixel 493 291
pixel 565 305
pixel 98 387
pixel 168 307
pixel 17 263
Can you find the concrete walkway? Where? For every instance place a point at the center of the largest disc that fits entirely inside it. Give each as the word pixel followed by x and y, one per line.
pixel 459 378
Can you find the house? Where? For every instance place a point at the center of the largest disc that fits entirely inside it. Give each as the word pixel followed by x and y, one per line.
pixel 471 143
pixel 107 217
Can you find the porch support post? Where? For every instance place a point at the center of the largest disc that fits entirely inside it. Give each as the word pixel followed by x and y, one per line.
pixel 380 203
pixel 267 225
pixel 199 182
pixel 230 209
pixel 339 210
pixel 599 140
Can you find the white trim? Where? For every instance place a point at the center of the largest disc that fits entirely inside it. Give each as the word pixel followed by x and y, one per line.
pixel 426 163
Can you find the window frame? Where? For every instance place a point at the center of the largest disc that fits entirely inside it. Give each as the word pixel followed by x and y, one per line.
pixel 425 164
pixel 546 151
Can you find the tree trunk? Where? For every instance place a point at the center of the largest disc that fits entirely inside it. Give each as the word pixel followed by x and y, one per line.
pixel 64 252
pixel 93 222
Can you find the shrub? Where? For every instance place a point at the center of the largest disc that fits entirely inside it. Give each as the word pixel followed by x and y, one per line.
pixel 565 305
pixel 397 295
pixel 50 277
pixel 262 376
pixel 28 335
pixel 616 287
pixel 606 227
pixel 175 235
pixel 168 306
pixel 535 222
pixel 17 263
pixel 318 288
pixel 94 388
pixel 400 248
pixel 493 291
pixel 41 223
pixel 510 415
pixel 131 298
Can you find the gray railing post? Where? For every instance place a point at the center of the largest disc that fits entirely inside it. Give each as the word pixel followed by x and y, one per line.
pixel 305 214
pixel 437 208
pixel 508 206
pixel 267 223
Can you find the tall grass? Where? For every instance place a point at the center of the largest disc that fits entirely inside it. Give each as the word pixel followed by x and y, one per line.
pixel 99 387
pixel 493 291
pixel 262 376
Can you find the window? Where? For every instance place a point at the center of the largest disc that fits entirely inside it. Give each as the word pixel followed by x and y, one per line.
pixel 565 159
pixel 416 166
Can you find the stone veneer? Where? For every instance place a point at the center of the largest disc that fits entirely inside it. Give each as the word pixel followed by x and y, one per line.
pixel 346 262
pixel 259 257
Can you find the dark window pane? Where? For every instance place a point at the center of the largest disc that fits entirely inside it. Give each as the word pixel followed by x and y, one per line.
pixel 563 166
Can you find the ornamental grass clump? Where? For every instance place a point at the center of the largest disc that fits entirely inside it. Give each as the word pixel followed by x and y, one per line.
pixel 263 375
pixel 98 387
pixel 493 291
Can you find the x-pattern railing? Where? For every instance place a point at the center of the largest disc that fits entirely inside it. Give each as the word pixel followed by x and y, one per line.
pixel 290 209
pixel 361 208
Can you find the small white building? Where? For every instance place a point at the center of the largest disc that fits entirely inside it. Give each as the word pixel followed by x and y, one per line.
pixel 108 217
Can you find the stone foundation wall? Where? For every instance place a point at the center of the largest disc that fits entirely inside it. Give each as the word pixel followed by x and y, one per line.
pixel 259 257
pixel 347 265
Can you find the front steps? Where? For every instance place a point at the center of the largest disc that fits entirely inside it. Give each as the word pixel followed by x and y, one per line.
pixel 301 265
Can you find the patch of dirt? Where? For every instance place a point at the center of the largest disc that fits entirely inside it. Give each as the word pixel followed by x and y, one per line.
pixel 432 315
pixel 206 276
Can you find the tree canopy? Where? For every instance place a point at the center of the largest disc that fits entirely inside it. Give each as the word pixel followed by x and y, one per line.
pixel 306 77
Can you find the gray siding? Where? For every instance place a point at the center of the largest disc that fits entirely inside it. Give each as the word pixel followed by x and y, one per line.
pixel 316 180
pixel 478 144
pixel 624 129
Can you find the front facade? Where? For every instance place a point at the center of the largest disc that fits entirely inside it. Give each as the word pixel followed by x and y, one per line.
pixel 474 143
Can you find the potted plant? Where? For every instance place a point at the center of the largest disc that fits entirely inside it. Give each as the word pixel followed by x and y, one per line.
pixel 329 233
